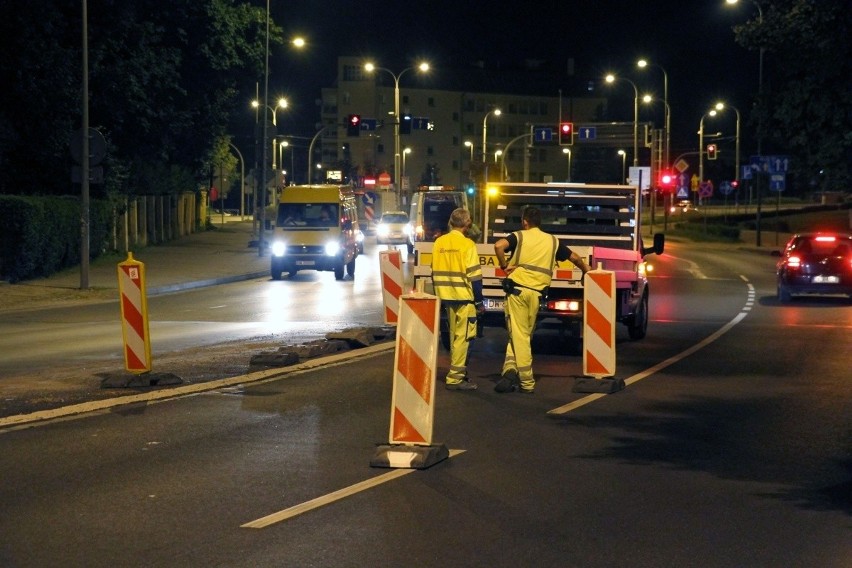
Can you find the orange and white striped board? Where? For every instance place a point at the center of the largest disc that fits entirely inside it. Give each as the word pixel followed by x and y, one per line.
pixel 390 262
pixel 599 324
pixel 414 369
pixel 134 315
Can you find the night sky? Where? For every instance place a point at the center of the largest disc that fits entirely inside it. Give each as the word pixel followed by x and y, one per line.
pixel 691 39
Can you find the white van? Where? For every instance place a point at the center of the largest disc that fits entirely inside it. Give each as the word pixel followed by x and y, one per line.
pixel 430 214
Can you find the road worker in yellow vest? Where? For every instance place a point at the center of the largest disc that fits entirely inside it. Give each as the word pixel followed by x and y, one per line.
pixel 457 280
pixel 529 271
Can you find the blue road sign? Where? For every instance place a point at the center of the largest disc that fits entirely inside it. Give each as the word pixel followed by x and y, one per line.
pixel 587 132
pixel 777 182
pixel 542 134
pixel 726 188
pixel 746 172
pixel 369 124
pixel 779 164
pixel 369 198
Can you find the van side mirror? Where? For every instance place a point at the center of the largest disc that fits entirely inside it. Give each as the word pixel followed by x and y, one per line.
pixel 659 245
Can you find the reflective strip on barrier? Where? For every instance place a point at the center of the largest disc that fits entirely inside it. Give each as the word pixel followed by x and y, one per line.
pixel 390 262
pixel 134 315
pixel 412 405
pixel 599 324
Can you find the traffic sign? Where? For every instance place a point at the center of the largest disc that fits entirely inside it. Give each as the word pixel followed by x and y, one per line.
pixel 542 134
pixel 369 124
pixel 747 172
pixel 369 197
pixel 771 164
pixel 587 132
pixel 706 189
pixel 421 123
pixel 726 188
pixel 682 193
pixel 777 182
pixel 681 165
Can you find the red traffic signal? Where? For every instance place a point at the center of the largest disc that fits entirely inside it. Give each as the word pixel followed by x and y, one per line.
pixel 353 125
pixel 667 180
pixel 711 151
pixel 566 133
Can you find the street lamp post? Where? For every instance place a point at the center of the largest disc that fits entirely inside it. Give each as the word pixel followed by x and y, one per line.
pixel 623 155
pixel 369 67
pixel 761 52
pixel 719 107
pixel 242 180
pixel 495 112
pixel 405 152
pixel 611 79
pixel 701 145
pixel 568 151
pixel 642 63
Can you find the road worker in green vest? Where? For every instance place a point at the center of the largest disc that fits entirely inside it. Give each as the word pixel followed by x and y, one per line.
pixel 457 280
pixel 529 271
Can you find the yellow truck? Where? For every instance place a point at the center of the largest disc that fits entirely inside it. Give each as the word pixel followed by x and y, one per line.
pixel 316 228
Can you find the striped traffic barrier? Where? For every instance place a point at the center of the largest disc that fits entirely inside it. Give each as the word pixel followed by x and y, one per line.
pixel 390 262
pixel 134 315
pixel 413 401
pixel 598 333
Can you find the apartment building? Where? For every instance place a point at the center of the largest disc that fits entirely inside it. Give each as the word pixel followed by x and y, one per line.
pixel 449 151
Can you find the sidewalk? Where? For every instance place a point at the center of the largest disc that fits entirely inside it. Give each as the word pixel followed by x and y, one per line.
pixel 205 258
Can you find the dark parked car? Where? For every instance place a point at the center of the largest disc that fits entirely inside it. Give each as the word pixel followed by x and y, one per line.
pixel 815 263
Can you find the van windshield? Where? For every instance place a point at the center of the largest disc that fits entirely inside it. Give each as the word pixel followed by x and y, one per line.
pixel 307 215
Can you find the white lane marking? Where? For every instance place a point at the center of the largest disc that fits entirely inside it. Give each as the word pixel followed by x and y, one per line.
pixel 671 360
pixel 692 267
pixel 323 500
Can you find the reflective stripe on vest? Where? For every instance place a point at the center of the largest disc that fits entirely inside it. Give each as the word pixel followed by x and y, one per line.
pixel 455 265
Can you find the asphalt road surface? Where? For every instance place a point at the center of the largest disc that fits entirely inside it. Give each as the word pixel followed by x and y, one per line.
pixel 730 446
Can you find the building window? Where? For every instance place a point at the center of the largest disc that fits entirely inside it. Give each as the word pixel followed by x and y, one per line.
pixel 430 151
pixel 431 102
pixel 455 117
pixel 405 99
pixel 353 73
pixel 380 148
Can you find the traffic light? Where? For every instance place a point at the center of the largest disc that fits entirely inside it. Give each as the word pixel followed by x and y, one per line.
pixel 566 133
pixel 667 179
pixel 405 124
pixel 711 151
pixel 353 125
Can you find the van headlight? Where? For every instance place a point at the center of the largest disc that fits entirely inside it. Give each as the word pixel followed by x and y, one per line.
pixel 331 249
pixel 278 248
pixel 382 230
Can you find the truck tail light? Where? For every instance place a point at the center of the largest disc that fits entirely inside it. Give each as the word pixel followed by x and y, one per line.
pixel 564 305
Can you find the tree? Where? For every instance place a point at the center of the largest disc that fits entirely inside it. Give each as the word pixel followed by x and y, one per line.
pixel 164 75
pixel 806 109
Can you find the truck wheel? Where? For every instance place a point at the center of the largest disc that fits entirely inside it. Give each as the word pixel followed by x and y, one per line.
pixel 638 327
pixel 350 268
pixel 338 271
pixel 275 273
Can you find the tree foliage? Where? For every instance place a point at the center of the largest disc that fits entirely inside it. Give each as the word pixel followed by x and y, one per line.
pixel 163 76
pixel 807 93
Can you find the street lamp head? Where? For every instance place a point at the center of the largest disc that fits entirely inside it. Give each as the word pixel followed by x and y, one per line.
pixel 719 106
pixel 610 78
pixel 369 67
pixel 423 66
pixel 298 42
pixel 642 63
pixel 282 103
pixel 647 99
pixel 622 153
pixel 468 143
pixel 497 112
pixel 407 151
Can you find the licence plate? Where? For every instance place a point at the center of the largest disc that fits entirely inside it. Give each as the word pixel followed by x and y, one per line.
pixel 493 304
pixel 304 263
pixel 826 280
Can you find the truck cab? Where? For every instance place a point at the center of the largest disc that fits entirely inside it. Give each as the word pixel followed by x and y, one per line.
pixel 430 213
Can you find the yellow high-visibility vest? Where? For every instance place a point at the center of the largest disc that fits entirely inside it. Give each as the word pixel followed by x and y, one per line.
pixel 455 265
